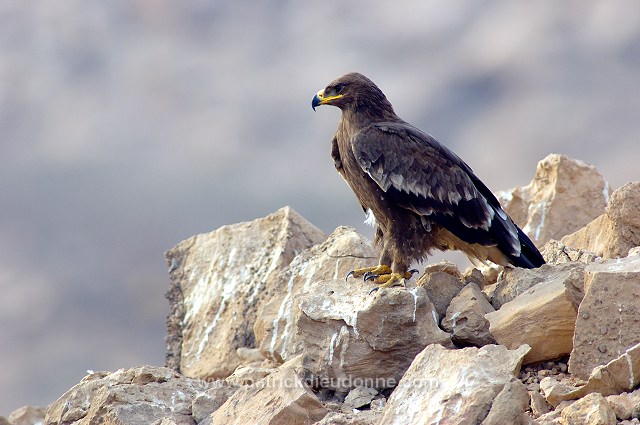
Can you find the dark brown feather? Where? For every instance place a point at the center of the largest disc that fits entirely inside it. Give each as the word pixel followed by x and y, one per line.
pixel 422 195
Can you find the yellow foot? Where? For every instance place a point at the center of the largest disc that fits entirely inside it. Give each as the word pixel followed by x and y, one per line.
pixel 382 269
pixel 382 275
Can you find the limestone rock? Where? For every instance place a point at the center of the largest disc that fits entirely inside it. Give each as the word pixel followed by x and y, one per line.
pixel 219 280
pixel 27 415
pixel 209 401
pixel 247 375
pixel 515 281
pixel 459 385
pixel 556 252
pixel 350 338
pixel 465 317
pixel 442 281
pixel 357 417
pixel 358 397
pixel 543 316
pixel 509 406
pixel 553 204
pixel 343 251
pixel 539 405
pixel 280 398
pixel 608 321
pixel 619 375
pixel 625 405
pixel 592 409
pixel 615 232
pixel 140 395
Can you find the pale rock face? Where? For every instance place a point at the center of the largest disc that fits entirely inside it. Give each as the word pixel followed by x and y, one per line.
pixel 556 252
pixel 135 396
pixel 615 232
pixel 465 317
pixel 350 338
pixel 456 386
pixel 347 336
pixel 219 280
pixel 592 409
pixel 515 281
pixel 509 406
pixel 442 281
pixel 343 251
pixel 543 316
pixel 553 204
pixel 608 321
pixel 280 398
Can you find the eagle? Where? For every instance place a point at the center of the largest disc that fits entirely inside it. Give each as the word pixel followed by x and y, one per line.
pixel 420 195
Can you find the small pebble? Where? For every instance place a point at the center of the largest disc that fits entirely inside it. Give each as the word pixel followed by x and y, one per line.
pixel 602 348
pixel 563 367
pixel 585 314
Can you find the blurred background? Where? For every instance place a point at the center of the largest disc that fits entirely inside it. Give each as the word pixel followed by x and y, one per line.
pixel 127 126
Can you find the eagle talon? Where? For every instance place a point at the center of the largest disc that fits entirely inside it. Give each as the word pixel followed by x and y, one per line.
pixel 370 276
pixel 350 274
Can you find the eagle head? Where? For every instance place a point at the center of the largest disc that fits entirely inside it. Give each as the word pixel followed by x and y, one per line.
pixel 352 90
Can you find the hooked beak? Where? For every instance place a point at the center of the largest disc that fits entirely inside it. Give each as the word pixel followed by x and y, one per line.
pixel 321 99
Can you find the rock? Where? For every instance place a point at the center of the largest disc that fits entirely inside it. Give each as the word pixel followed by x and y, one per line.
pixel 543 316
pixel 4 421
pixel 555 392
pixel 140 395
pixel 509 406
pixel 515 281
pixel 539 405
pixel 219 280
pixel 208 402
pixel 27 415
pixel 608 321
pixel 465 317
pixel 350 338
pixel 442 281
pixel 615 232
pixel 625 405
pixel 281 398
pixel 553 204
pixel 343 251
pixel 247 375
pixel 617 376
pixel 459 385
pixel 555 252
pixel 358 397
pixel 592 409
pixel 250 356
pixel 357 417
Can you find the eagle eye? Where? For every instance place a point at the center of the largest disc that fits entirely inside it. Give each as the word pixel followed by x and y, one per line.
pixel 338 88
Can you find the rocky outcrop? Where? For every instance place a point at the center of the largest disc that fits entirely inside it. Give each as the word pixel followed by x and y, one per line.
pixel 346 336
pixel 553 204
pixel 262 311
pixel 219 281
pixel 615 232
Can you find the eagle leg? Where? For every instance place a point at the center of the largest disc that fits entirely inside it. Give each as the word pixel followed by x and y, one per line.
pixel 366 272
pixel 391 279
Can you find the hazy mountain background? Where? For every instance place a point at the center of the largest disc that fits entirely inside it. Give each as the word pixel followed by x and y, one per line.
pixel 127 126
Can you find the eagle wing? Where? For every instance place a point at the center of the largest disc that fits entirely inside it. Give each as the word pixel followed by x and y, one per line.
pixel 424 176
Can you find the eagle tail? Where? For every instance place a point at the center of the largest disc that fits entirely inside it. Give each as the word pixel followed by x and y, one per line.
pixel 530 257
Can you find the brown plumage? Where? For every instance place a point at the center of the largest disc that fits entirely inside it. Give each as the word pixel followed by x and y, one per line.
pixel 422 195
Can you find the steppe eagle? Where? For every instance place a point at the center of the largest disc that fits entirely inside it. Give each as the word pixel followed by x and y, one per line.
pixel 421 194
